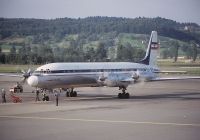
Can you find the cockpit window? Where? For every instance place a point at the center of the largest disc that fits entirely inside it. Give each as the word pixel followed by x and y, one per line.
pixel 42 71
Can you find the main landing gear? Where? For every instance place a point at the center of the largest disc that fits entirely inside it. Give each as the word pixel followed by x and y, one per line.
pixel 124 94
pixel 45 97
pixel 71 93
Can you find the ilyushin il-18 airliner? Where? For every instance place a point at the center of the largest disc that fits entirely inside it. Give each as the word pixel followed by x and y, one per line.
pixel 91 74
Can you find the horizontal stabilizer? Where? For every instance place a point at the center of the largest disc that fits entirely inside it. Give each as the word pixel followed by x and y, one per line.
pixel 11 75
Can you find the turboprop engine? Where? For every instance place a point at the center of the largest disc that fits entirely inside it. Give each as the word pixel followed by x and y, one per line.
pixel 136 75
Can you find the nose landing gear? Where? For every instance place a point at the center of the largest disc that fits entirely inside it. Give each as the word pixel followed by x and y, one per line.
pixel 71 93
pixel 124 94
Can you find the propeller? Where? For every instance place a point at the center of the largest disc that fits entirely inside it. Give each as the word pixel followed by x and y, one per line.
pixel 26 74
pixel 103 77
pixel 136 75
pixel 138 78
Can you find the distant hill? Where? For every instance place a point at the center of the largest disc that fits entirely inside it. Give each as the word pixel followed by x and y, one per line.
pixel 63 26
pixel 82 39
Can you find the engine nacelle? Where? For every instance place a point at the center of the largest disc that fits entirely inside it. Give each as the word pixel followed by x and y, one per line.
pixel 115 83
pixel 102 78
pixel 117 80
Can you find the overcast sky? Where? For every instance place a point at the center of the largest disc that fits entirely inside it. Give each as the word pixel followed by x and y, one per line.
pixel 179 10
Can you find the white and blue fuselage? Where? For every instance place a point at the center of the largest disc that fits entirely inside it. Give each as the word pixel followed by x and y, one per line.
pixel 65 75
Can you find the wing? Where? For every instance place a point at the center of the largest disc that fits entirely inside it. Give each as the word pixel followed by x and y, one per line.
pixel 173 78
pixel 11 75
pixel 165 71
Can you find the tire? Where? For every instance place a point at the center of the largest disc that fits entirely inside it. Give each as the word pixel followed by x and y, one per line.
pixel 71 94
pixel 127 96
pixel 74 94
pixel 47 98
pixel 67 94
pixel 120 95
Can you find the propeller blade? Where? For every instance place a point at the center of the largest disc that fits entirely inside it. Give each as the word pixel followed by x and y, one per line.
pixel 138 72
pixel 23 81
pixel 23 71
pixel 29 71
pixel 136 75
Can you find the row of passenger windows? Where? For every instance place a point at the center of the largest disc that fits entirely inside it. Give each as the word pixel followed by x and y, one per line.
pixel 89 70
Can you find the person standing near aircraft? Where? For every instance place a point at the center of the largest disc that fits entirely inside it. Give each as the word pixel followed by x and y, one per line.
pixel 3 94
pixel 37 95
pixel 57 95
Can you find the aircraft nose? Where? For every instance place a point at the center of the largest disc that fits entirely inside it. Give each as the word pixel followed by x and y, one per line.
pixel 33 81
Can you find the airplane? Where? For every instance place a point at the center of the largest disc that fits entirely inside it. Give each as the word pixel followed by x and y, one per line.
pixel 94 74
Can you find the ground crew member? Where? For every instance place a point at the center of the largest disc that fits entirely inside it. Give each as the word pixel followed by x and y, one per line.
pixel 56 94
pixel 3 94
pixel 37 95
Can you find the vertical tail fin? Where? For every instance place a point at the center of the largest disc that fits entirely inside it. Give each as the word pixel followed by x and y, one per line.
pixel 152 50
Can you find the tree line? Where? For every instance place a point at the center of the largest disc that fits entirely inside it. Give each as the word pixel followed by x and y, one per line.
pixel 191 50
pixel 58 28
pixel 46 54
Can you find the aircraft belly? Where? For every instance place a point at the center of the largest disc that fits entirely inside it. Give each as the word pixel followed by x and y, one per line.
pixel 116 83
pixel 115 79
pixel 66 81
pixel 73 80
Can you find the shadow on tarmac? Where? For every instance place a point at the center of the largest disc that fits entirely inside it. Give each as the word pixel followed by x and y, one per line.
pixel 177 95
pixel 167 96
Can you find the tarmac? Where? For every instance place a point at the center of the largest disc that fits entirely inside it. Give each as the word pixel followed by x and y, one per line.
pixel 167 110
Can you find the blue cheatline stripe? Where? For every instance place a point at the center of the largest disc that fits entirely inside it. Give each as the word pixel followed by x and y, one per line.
pixel 87 70
pixel 93 70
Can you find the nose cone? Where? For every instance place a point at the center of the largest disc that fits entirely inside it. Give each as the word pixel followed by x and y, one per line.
pixel 33 81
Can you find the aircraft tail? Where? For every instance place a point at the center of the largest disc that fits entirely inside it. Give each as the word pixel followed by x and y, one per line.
pixel 152 51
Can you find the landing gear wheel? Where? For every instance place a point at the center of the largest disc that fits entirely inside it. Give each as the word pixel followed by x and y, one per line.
pixel 74 94
pixel 127 96
pixel 67 94
pixel 47 98
pixel 124 94
pixel 71 94
pixel 119 95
